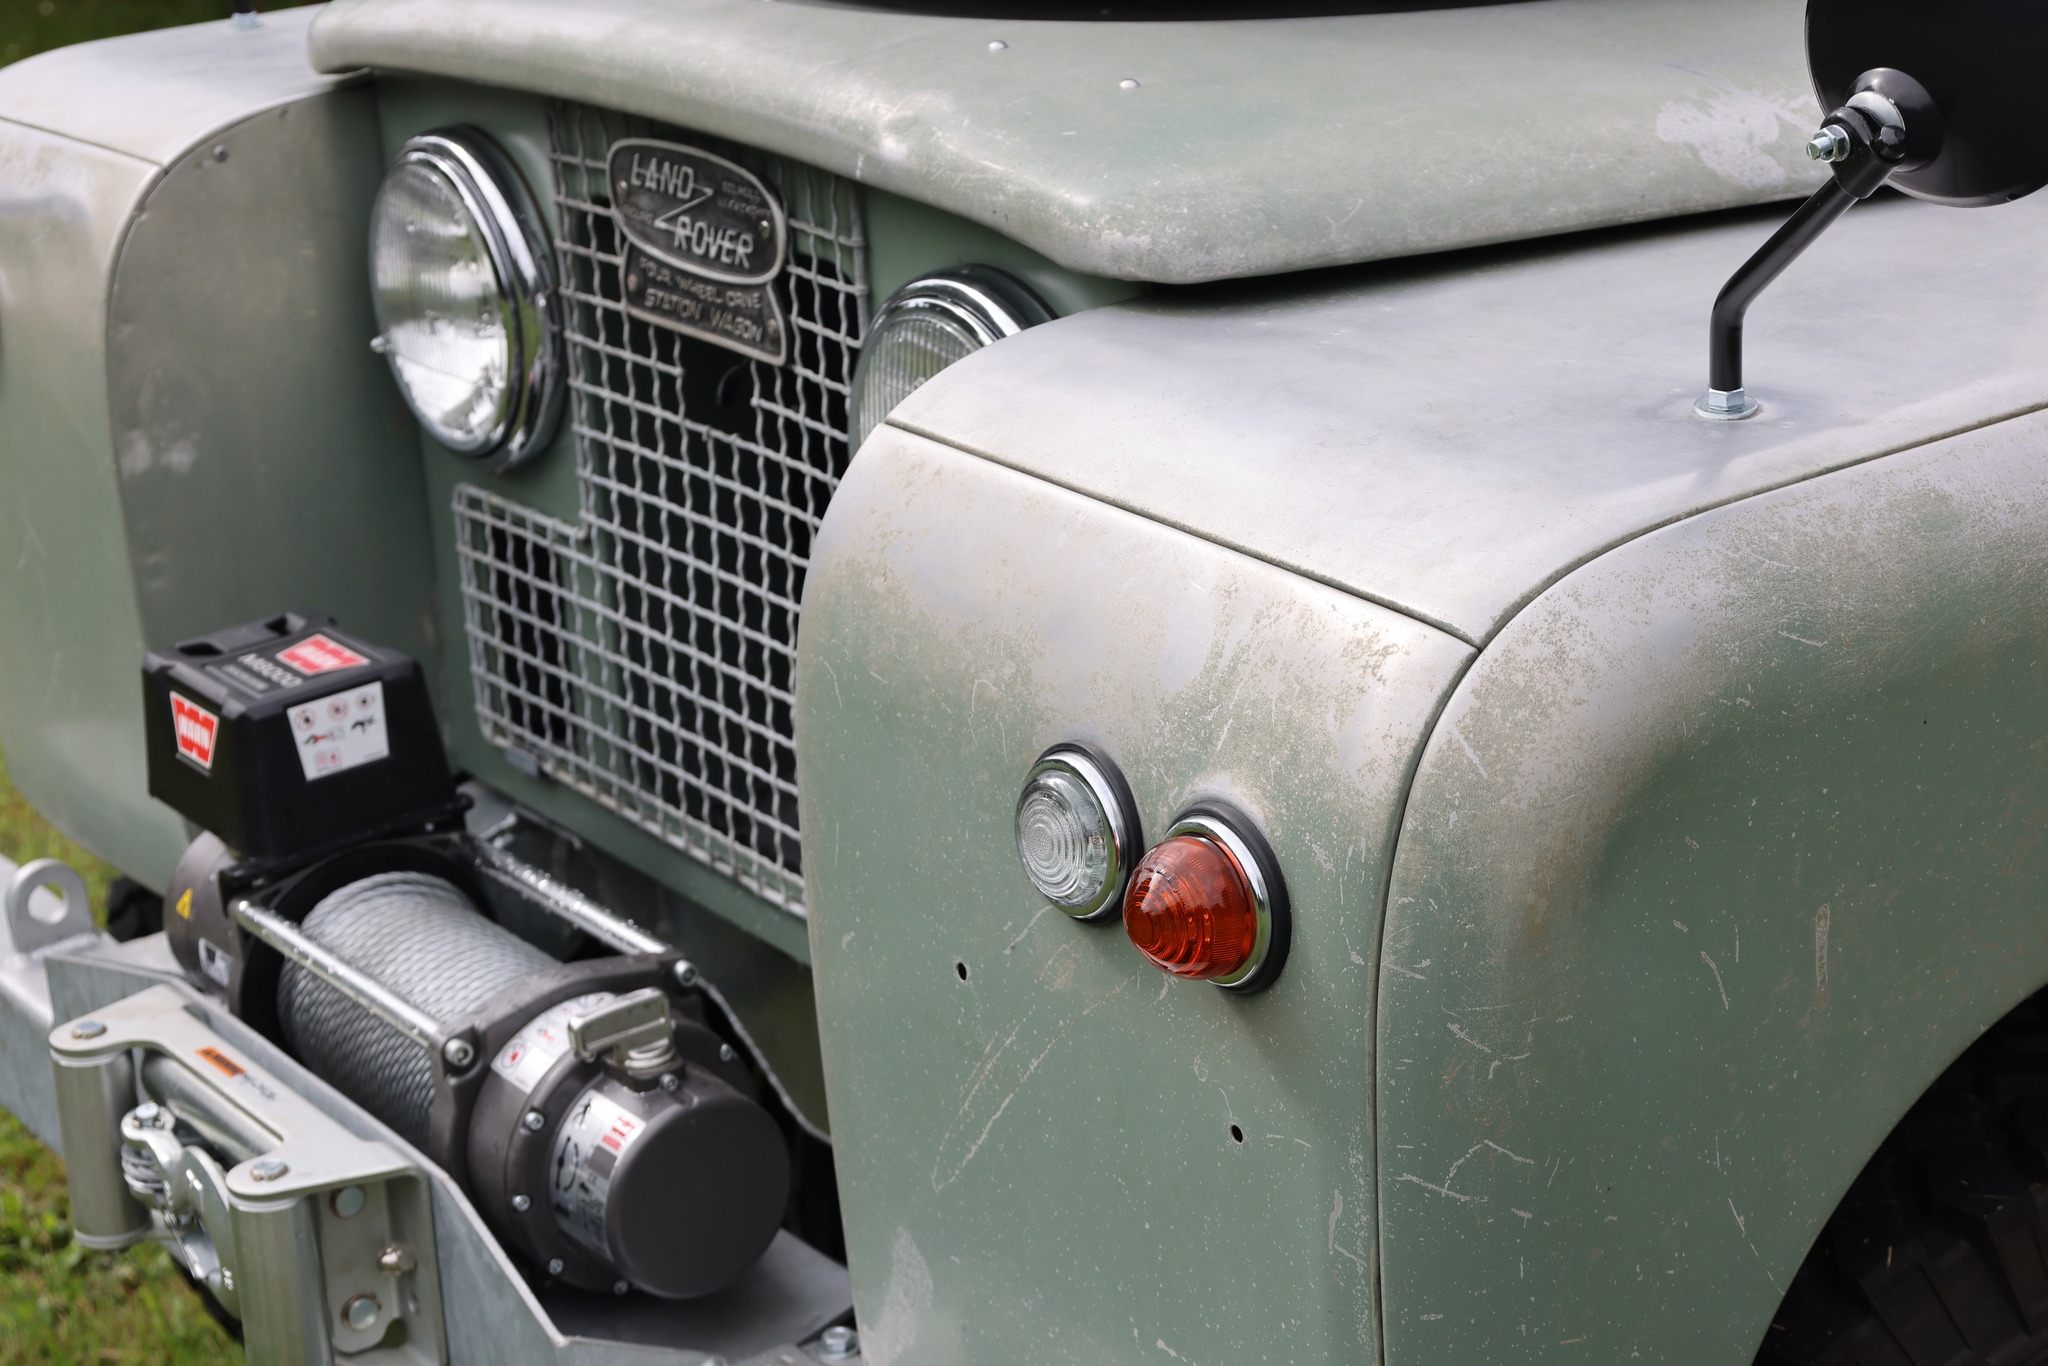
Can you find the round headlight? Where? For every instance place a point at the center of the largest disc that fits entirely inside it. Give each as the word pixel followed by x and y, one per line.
pixel 1077 831
pixel 929 324
pixel 464 296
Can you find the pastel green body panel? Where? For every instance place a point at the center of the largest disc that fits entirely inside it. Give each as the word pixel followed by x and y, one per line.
pixel 68 722
pixel 171 462
pixel 1037 1161
pixel 1723 849
pixel 1177 152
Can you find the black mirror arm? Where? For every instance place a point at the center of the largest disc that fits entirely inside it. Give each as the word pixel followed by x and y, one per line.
pixel 1724 329
pixel 1865 141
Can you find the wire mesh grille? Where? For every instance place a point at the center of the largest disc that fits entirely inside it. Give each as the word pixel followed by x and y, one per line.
pixel 645 656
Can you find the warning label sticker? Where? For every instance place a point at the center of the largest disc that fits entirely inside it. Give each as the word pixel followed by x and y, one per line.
pixel 594 1136
pixel 320 655
pixel 196 729
pixel 341 731
pixel 540 1044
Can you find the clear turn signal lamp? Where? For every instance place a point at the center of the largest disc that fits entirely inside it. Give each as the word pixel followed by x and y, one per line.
pixel 1077 831
pixel 1207 902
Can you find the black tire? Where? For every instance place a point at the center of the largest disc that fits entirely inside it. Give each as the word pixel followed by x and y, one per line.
pixel 1935 1257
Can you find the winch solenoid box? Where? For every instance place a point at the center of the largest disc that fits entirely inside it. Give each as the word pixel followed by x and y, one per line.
pixel 287 736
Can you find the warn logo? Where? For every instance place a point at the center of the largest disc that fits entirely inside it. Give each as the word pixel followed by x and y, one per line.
pixel 196 729
pixel 319 655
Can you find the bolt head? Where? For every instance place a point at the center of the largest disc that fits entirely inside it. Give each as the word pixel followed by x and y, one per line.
pixel 1829 144
pixel 397 1260
pixel 268 1168
pixel 670 1081
pixel 838 1343
pixel 360 1313
pixel 685 972
pixel 533 1121
pixel 522 1203
pixel 1731 405
pixel 459 1052
pixel 88 1029
pixel 148 1114
pixel 725 1053
pixel 348 1202
pixel 555 1266
pixel 620 1287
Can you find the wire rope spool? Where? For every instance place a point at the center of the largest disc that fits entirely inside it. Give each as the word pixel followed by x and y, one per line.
pixel 611 1138
pixel 419 936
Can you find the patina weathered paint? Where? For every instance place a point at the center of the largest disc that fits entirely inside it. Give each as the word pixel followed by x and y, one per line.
pixel 1449 436
pixel 1726 846
pixel 1034 1126
pixel 1237 148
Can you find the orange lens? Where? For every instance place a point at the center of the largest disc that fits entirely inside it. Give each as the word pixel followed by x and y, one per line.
pixel 1190 909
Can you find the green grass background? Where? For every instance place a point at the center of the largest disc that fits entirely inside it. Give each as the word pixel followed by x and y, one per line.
pixel 59 1303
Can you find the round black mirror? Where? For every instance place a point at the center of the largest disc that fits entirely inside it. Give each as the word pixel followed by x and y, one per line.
pixel 1981 60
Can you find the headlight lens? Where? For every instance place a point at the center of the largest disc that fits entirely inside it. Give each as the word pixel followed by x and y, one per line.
pixel 463 292
pixel 1077 831
pixel 928 325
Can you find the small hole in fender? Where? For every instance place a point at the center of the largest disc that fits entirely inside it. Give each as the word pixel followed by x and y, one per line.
pixel 960 969
pixel 1236 1134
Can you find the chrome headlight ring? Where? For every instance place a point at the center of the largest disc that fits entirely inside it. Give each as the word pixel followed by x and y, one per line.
pixel 960 310
pixel 505 216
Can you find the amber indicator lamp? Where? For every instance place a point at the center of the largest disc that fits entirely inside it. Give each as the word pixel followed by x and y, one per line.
pixel 1207 902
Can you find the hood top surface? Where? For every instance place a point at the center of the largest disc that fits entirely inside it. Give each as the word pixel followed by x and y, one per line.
pixel 1243 148
pixel 1449 437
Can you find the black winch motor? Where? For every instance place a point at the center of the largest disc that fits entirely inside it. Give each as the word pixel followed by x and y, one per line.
pixel 336 903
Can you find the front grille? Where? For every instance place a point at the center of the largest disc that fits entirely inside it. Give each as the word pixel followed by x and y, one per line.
pixel 645 655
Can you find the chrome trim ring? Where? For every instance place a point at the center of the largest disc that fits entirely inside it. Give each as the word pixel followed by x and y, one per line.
pixel 988 303
pixel 1234 831
pixel 1105 782
pixel 496 198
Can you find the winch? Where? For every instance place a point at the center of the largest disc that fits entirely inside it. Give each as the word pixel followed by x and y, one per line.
pixel 597 1117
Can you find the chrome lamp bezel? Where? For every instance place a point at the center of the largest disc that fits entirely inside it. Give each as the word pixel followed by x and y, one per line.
pixel 497 199
pixel 1243 841
pixel 1105 782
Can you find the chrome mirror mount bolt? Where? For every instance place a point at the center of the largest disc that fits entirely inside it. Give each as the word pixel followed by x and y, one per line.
pixel 1831 143
pixel 1726 405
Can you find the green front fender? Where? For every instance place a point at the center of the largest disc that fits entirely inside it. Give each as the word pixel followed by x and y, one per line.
pixel 1724 848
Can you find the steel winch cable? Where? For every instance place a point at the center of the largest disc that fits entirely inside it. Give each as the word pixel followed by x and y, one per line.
pixel 424 942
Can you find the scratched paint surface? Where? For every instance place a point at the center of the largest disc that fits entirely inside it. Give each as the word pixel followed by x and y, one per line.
pixel 1722 850
pixel 1037 1160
